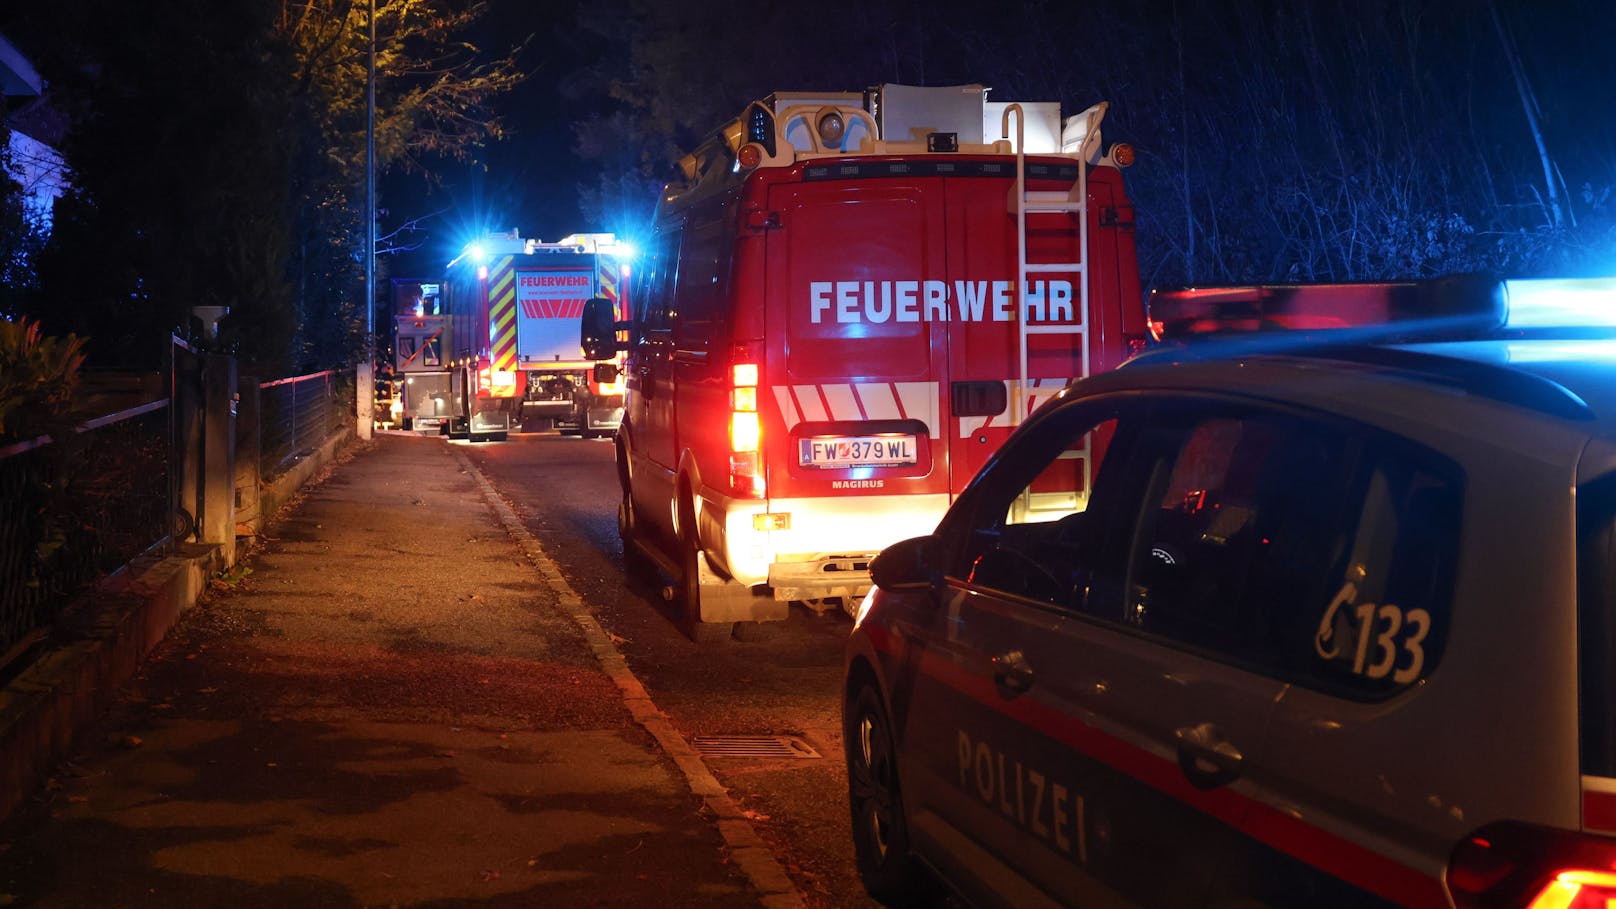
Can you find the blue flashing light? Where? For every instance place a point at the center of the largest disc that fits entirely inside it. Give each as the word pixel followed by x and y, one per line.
pixel 1562 303
pixel 478 253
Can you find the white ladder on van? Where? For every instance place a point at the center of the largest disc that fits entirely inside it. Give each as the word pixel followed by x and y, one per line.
pixel 1024 203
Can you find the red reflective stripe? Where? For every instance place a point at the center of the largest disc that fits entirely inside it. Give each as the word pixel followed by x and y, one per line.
pixel 893 388
pixel 858 402
pixel 1342 858
pixel 824 402
pixel 1330 853
pixel 1598 810
pixel 792 392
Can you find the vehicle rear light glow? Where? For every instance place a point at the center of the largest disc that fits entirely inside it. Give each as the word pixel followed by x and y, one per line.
pixel 779 520
pixel 495 383
pixel 745 432
pixel 1578 890
pixel 1519 865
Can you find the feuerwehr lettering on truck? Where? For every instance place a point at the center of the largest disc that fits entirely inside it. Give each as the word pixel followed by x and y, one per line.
pixel 549 302
pixel 937 301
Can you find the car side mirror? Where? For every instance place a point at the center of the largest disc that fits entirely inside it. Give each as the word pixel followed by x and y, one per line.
pixel 914 564
pixel 598 331
pixel 605 373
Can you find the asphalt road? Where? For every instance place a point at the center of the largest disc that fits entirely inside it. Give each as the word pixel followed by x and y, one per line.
pixel 564 488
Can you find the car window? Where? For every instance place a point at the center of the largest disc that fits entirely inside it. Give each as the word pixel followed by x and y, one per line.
pixel 1390 597
pixel 699 285
pixel 1309 550
pixel 1034 526
pixel 1230 514
pixel 656 282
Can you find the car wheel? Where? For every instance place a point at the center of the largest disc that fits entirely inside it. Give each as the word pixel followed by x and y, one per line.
pixel 636 563
pixel 880 831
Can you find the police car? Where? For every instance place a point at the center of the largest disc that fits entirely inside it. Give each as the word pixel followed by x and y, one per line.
pixel 1264 623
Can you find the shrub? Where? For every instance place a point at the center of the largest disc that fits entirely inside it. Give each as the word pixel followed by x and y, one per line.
pixel 39 379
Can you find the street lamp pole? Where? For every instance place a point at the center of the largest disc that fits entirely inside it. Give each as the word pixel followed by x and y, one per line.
pixel 366 403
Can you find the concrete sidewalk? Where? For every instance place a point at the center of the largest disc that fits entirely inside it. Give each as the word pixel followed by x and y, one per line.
pixel 397 706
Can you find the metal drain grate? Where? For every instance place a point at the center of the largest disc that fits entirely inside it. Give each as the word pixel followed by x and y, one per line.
pixel 755 746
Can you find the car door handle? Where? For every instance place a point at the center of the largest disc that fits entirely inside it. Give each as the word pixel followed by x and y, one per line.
pixel 1012 674
pixel 1207 759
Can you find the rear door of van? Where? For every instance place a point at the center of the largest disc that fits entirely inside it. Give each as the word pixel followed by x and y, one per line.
pixel 853 365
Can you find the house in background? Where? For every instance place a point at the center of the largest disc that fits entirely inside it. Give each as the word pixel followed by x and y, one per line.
pixel 34 127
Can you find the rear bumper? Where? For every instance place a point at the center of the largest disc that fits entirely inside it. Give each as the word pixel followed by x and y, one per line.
pixel 550 407
pixel 825 549
pixel 846 576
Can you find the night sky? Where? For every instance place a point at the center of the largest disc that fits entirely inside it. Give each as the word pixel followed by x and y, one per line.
pixel 1124 52
pixel 528 181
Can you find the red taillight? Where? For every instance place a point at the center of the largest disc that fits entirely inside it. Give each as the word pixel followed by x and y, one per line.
pixel 1525 867
pixel 745 432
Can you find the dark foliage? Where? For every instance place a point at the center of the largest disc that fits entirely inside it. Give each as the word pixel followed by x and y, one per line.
pixel 180 167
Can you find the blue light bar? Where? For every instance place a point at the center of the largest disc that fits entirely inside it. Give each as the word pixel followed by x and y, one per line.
pixel 1561 303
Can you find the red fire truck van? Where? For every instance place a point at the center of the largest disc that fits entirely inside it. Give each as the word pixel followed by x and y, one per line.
pixel 847 303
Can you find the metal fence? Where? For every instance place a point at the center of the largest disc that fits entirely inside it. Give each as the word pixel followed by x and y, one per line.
pixel 75 509
pixel 297 414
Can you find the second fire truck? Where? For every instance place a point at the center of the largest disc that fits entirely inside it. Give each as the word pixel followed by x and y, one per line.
pixel 510 308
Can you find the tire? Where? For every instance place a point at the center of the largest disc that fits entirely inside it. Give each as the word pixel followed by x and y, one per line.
pixel 636 564
pixel 875 799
